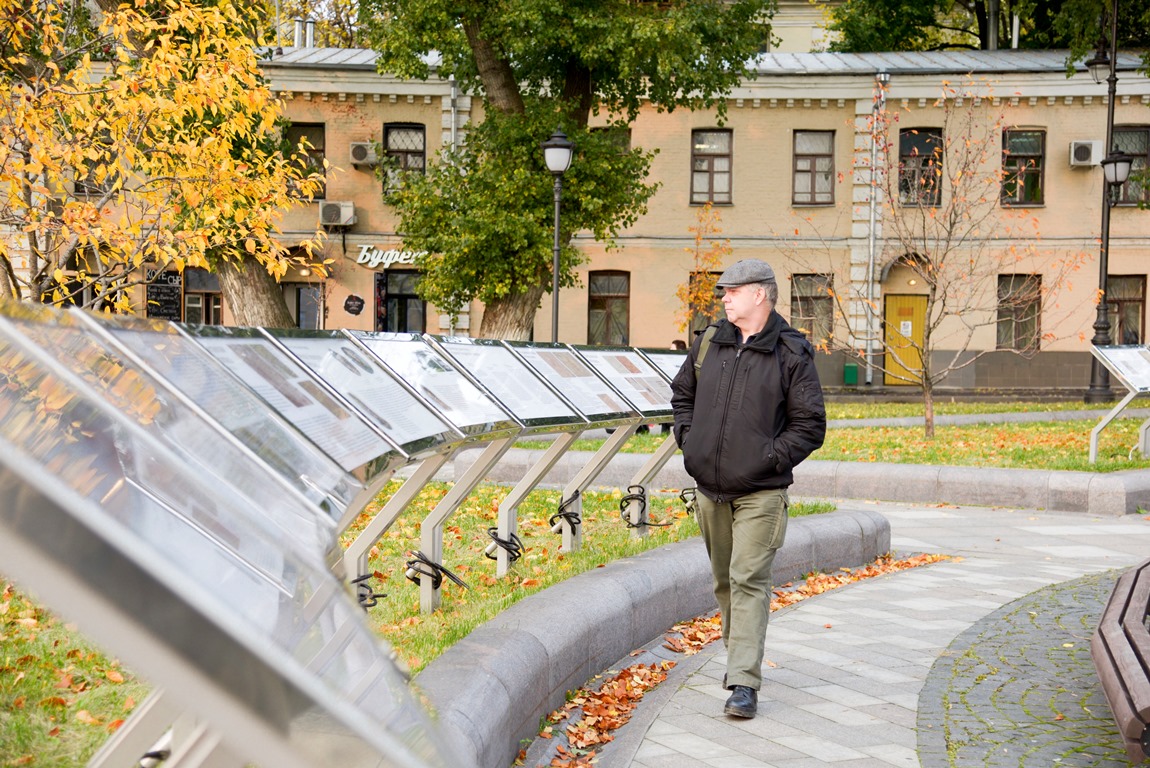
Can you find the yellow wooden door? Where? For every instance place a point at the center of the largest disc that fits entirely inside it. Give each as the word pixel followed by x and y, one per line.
pixel 904 324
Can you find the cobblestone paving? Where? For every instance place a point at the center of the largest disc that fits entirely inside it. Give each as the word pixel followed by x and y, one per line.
pixel 1018 688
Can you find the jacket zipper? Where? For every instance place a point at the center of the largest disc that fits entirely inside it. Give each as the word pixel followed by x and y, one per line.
pixel 723 422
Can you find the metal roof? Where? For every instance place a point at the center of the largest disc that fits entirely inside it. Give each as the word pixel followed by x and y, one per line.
pixel 923 62
pixel 328 58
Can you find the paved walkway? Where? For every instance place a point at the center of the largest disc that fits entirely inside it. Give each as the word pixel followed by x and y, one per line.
pixel 982 661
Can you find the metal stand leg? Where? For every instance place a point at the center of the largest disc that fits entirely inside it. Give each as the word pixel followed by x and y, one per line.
pixel 1109 417
pixel 508 521
pixel 573 534
pixel 431 531
pixel 139 733
pixel 658 459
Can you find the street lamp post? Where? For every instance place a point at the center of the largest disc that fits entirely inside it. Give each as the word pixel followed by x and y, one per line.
pixel 1105 63
pixel 557 152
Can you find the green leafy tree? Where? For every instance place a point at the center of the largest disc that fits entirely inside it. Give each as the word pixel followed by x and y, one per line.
pixel 485 214
pixel 923 25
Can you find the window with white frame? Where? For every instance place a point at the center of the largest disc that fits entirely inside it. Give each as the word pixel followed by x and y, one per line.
pixel 814 168
pixel 711 167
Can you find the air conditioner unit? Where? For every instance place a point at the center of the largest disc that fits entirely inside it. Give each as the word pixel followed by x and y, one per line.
pixel 363 153
pixel 337 214
pixel 1085 153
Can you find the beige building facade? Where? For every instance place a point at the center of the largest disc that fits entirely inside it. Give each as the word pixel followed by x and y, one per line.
pixel 789 172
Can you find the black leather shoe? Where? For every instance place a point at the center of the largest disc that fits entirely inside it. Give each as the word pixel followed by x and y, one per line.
pixel 743 702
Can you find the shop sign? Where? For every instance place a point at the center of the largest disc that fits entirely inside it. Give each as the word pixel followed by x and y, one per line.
pixel 375 258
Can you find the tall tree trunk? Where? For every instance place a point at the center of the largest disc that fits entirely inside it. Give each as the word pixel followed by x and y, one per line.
pixel 253 296
pixel 512 316
pixel 499 84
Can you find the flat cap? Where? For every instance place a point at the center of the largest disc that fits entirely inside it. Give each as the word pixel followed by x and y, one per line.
pixel 747 271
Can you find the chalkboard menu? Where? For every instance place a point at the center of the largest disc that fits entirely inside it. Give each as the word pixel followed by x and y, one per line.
pixel 165 294
pixel 294 393
pixel 439 381
pixel 578 382
pixel 370 387
pixel 635 378
pixel 511 380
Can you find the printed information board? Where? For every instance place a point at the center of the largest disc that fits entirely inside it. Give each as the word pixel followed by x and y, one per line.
pixel 64 356
pixel 294 393
pixel 511 380
pixel 635 378
pixel 1130 363
pixel 667 361
pixel 370 387
pixel 578 382
pixel 201 378
pixel 246 632
pixel 437 379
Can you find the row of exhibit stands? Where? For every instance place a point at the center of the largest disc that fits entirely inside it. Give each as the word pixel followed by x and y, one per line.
pixel 179 492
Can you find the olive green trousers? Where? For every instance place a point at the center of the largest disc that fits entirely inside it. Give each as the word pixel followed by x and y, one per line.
pixel 742 536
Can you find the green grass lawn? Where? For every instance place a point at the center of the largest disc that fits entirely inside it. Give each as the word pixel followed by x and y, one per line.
pixel 1063 445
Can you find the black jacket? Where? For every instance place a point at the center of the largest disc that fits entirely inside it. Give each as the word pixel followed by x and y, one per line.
pixel 752 414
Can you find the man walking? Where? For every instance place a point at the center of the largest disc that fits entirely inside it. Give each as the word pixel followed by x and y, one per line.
pixel 748 408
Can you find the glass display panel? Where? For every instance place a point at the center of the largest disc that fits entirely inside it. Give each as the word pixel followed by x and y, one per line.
pixel 133 395
pixel 278 624
pixel 201 378
pixel 294 393
pixel 370 387
pixel 635 378
pixel 667 361
pixel 578 382
pixel 509 379
pixel 1131 364
pixel 439 381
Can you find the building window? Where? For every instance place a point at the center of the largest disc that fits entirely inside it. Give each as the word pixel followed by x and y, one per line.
pixel 814 168
pixel 812 309
pixel 700 320
pixel 405 147
pixel 203 304
pixel 1023 162
pixel 305 303
pixel 313 153
pixel 608 307
pixel 710 167
pixel 1019 310
pixel 398 308
pixel 919 166
pixel 1134 141
pixel 619 135
pixel 1126 302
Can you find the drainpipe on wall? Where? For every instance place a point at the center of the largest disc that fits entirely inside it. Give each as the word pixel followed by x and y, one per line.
pixel 881 80
pixel 454 113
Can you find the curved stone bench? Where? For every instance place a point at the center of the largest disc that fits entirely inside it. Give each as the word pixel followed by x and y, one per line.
pixel 491 688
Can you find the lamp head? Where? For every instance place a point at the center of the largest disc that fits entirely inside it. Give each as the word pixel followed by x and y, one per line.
pixel 557 152
pixel 1099 65
pixel 1116 167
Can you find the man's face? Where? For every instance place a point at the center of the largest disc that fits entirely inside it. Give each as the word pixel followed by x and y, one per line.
pixel 741 301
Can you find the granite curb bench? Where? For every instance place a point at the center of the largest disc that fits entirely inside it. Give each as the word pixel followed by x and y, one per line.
pixel 490 689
